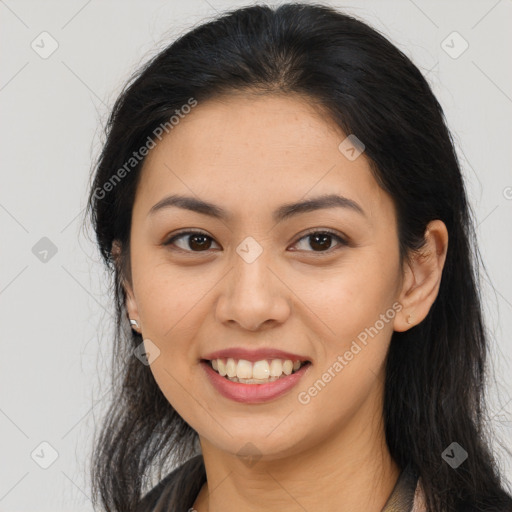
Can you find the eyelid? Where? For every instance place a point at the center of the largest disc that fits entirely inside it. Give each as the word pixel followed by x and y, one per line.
pixel 182 234
pixel 343 240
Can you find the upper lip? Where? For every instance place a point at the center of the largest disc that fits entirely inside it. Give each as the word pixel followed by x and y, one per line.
pixel 254 355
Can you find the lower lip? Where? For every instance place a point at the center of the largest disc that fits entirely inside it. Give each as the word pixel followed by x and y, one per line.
pixel 253 393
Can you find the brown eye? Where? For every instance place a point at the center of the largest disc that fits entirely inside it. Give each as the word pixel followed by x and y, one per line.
pixel 320 241
pixel 195 241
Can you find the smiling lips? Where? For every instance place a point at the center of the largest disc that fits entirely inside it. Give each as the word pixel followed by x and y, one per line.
pixel 254 366
pixel 254 376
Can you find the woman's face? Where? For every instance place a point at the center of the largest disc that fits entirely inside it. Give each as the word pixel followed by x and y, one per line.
pixel 254 279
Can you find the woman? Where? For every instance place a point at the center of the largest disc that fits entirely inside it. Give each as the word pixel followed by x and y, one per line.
pixel 282 208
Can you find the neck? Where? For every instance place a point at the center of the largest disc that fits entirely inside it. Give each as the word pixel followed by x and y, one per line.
pixel 352 467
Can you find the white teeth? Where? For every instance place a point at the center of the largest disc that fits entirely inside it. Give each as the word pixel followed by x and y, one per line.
pixel 258 372
pixel 243 369
pixel 276 368
pixel 222 367
pixel 288 367
pixel 231 367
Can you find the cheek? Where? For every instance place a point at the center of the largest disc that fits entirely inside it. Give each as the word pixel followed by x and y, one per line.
pixel 173 308
pixel 355 309
pixel 350 298
pixel 353 351
pixel 169 296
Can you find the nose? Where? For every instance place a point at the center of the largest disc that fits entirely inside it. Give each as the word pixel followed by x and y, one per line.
pixel 253 295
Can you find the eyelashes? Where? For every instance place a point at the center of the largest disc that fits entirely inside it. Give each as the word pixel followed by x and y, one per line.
pixel 326 233
pixel 316 237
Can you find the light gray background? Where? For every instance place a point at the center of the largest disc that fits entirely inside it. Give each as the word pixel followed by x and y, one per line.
pixel 55 314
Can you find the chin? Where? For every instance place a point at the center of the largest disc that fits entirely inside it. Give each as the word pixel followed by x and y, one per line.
pixel 259 444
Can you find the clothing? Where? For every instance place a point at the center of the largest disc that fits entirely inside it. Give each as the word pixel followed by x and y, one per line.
pixel 406 496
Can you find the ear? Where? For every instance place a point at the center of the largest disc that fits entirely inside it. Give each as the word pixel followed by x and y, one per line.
pixel 130 303
pixel 422 277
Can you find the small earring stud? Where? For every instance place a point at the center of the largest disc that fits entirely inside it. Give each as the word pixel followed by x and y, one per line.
pixel 409 319
pixel 134 323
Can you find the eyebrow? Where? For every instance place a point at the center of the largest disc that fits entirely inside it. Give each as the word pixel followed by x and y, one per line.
pixel 283 212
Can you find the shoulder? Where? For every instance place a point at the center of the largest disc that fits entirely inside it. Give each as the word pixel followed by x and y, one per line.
pixel 183 483
pixel 501 503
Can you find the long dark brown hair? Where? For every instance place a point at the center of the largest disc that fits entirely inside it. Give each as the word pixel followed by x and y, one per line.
pixel 434 391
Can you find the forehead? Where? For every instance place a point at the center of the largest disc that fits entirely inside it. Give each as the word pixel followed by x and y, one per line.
pixel 268 149
pixel 233 127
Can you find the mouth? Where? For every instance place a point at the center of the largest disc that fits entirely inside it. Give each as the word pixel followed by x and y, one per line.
pixel 259 372
pixel 255 382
